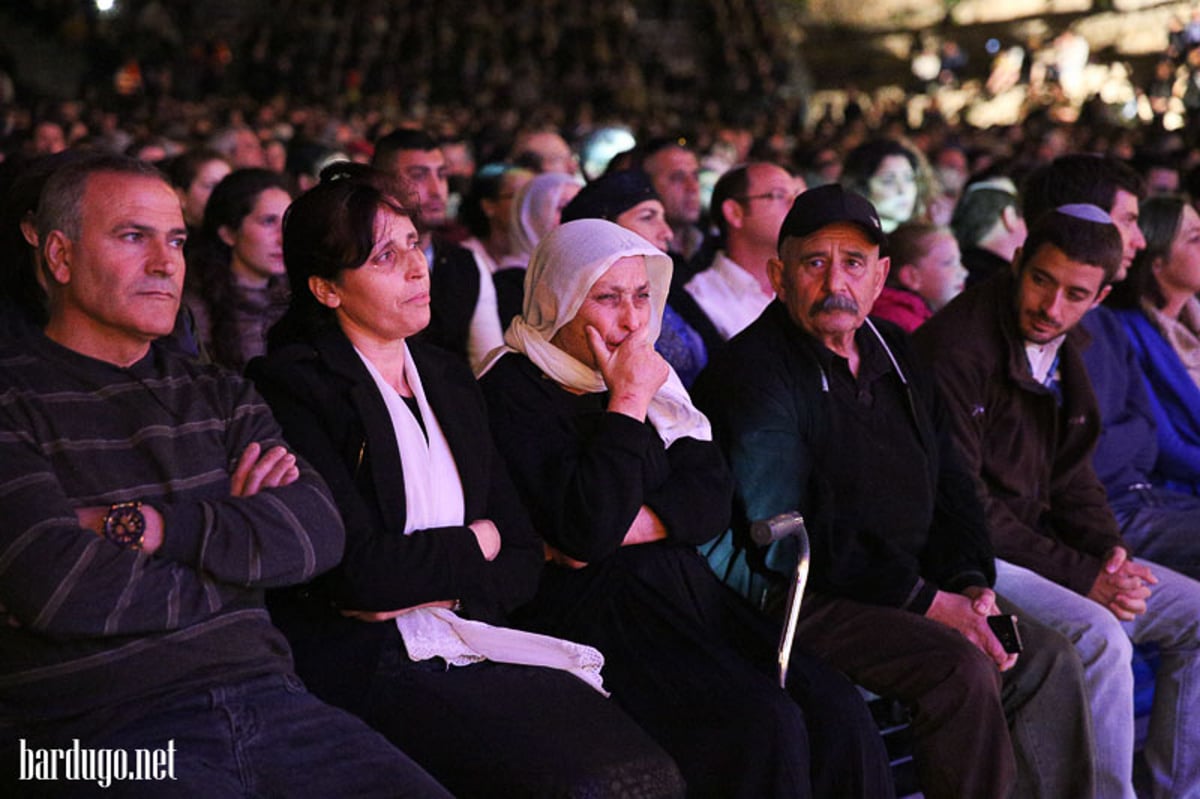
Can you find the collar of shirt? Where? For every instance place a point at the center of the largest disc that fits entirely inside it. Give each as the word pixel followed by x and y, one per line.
pixel 1041 357
pixel 873 362
pixel 729 295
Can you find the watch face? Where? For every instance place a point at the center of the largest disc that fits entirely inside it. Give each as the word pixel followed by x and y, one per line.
pixel 124 525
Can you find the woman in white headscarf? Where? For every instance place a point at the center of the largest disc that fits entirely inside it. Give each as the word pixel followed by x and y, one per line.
pixel 536 210
pixel 409 630
pixel 622 480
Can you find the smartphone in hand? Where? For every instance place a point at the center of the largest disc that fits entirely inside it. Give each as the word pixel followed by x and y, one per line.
pixel 1005 629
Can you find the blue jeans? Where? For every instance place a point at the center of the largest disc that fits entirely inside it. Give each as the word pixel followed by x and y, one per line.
pixel 1105 647
pixel 1162 526
pixel 263 737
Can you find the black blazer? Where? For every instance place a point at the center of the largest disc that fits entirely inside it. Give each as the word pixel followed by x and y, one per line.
pixel 453 295
pixel 334 416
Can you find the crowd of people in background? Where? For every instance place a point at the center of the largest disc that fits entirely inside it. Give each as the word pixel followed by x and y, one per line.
pixel 475 279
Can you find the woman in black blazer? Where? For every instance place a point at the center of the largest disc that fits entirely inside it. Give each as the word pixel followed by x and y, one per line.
pixel 405 631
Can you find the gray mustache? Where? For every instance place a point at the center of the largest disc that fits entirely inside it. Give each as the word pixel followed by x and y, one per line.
pixel 834 302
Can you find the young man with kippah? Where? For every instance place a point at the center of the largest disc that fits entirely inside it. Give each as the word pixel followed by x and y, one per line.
pixel 1008 358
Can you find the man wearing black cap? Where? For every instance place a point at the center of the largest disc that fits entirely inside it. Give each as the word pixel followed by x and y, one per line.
pixel 1008 356
pixel 823 410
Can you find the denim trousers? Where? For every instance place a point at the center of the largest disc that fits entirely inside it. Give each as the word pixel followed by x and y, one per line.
pixel 262 737
pixel 1105 646
pixel 1162 526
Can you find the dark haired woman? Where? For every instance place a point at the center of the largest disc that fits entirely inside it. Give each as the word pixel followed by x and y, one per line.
pixel 1162 317
pixel 236 283
pixel 194 175
pixel 407 630
pixel 886 173
pixel 1158 307
pixel 486 210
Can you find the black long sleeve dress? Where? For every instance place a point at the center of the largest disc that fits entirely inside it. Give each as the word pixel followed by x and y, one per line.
pixel 486 729
pixel 685 656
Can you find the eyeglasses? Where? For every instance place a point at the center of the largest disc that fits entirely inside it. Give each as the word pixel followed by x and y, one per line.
pixel 775 195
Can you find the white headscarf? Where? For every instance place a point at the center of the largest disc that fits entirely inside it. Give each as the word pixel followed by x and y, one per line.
pixel 564 267
pixel 535 213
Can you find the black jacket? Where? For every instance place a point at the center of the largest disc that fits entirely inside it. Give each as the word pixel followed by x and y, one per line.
pixel 768 398
pixel 333 415
pixel 453 295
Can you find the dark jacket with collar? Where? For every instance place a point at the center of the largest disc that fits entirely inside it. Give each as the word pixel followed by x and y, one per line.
pixel 333 415
pixel 982 264
pixel 767 395
pixel 453 295
pixel 1046 509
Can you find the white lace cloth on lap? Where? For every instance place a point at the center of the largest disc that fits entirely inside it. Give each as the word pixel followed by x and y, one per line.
pixel 440 632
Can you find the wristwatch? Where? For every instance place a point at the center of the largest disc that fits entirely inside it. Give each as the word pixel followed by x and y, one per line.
pixel 125 525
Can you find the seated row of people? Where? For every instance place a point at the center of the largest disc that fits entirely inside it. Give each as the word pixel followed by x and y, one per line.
pixel 1158 307
pixel 819 408
pixel 149 502
pixel 1041 387
pixel 439 549
pixel 150 548
pixel 441 616
pixel 1010 361
pixel 1055 519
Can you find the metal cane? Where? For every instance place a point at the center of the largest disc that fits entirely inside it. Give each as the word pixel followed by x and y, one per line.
pixel 767 532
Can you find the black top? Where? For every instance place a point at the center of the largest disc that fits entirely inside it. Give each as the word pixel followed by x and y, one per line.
pixel 876 444
pixel 510 293
pixel 890 511
pixel 453 295
pixel 690 311
pixel 584 472
pixel 982 264
pixel 333 414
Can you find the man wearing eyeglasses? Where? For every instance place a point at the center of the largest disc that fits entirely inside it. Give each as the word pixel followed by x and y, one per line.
pixel 749 204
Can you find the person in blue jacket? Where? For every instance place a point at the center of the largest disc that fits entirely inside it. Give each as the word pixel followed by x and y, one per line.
pixel 1161 316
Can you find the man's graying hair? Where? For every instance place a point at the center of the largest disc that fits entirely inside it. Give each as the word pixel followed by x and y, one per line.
pixel 60 206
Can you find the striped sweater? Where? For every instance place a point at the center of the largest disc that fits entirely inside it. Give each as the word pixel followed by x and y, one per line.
pixel 92 627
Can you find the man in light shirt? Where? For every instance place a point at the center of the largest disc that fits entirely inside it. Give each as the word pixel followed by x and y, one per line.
pixel 748 206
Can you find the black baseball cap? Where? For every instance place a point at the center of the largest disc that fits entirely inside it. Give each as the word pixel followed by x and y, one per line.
pixel 609 196
pixel 829 205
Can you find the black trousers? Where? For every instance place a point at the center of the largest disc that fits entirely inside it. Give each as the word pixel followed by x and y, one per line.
pixel 694 665
pixel 977 732
pixel 495 729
